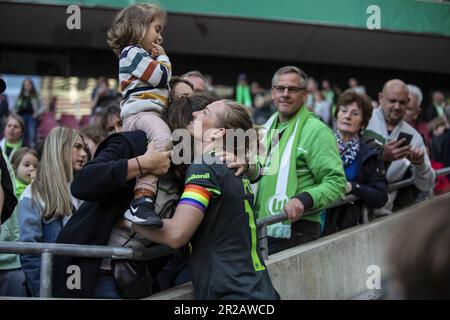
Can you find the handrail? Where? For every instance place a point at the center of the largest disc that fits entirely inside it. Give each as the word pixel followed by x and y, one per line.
pixel 409 181
pixel 283 216
pixel 347 199
pixel 85 251
pixel 90 251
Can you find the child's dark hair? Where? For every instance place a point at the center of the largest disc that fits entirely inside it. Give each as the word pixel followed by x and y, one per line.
pixel 19 154
pixel 130 25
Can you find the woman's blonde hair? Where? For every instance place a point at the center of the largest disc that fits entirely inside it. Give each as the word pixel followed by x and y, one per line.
pixel 55 171
pixel 130 25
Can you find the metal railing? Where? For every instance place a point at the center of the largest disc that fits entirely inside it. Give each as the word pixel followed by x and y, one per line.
pixel 263 223
pixel 47 250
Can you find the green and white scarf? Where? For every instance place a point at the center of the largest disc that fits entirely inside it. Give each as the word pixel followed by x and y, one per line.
pixel 280 171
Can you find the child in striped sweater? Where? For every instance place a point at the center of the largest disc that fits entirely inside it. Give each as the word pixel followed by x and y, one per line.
pixel 144 74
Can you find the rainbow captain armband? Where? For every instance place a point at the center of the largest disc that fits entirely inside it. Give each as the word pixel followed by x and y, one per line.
pixel 195 196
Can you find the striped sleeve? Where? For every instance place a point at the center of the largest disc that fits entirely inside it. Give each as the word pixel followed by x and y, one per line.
pixel 196 196
pixel 137 62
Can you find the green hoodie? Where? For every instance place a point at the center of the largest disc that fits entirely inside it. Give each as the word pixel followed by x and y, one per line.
pixel 319 167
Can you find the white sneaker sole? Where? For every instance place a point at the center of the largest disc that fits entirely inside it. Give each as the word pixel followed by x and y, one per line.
pixel 140 221
pixel 132 218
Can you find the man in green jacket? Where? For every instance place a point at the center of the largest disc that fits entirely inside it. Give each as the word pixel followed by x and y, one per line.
pixel 302 168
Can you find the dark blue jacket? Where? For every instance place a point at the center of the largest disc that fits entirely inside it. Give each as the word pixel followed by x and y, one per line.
pixel 371 187
pixel 372 177
pixel 102 184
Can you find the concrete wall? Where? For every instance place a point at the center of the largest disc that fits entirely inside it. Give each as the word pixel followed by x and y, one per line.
pixel 333 267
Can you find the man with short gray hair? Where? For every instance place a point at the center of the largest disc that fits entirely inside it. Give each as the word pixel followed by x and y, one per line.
pixel 303 169
pixel 197 79
pixel 413 108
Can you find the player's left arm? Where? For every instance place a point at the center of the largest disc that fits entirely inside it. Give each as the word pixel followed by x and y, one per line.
pixel 177 231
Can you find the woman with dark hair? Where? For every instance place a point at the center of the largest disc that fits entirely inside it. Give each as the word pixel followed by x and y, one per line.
pixel 215 214
pixel 28 106
pixel 119 160
pixel 99 222
pixel 179 88
pixel 92 135
pixel 364 169
pixel 110 120
pixel 179 114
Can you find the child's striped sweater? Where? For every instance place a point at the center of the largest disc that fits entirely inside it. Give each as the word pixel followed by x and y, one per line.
pixel 143 81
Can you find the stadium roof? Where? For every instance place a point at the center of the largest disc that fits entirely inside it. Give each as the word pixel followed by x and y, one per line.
pixel 410 16
pixel 414 35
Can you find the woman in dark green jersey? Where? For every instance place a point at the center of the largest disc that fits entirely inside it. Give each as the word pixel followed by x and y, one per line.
pixel 215 214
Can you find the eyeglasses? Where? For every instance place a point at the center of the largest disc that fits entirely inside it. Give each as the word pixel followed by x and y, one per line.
pixel 281 89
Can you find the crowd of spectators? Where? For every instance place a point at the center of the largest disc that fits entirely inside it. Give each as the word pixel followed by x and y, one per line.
pixel 71 182
pixel 369 143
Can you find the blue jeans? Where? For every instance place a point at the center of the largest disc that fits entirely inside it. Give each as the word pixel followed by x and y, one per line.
pixel 30 129
pixel 12 283
pixel 175 272
pixel 105 288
